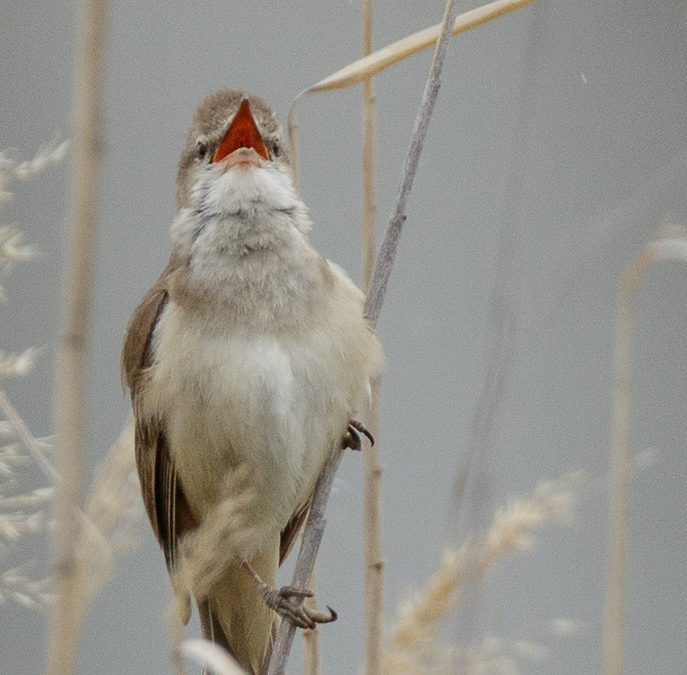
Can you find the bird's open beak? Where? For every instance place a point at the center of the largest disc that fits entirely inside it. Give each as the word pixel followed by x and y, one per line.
pixel 242 143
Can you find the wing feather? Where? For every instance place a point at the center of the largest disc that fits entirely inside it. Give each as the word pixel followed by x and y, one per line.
pixel 290 532
pixel 163 495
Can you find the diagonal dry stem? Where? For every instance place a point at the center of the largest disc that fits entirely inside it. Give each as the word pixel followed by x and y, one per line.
pixel 314 527
pixel 370 65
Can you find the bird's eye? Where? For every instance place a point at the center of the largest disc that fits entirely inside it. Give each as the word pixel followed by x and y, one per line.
pixel 201 148
pixel 276 148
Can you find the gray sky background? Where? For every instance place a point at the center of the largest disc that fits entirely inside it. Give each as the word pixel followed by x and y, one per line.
pixel 604 167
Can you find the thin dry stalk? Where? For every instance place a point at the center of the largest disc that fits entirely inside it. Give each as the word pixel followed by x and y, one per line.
pixel 311 638
pixel 415 633
pixel 372 469
pixel 504 313
pixel 307 552
pixel 374 563
pixel 368 156
pixel 293 144
pixel 70 397
pixel 659 250
pixel 314 527
pixel 370 65
pixel 387 251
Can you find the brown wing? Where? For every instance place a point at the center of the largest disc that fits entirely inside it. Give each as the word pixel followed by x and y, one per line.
pixel 290 532
pixel 163 496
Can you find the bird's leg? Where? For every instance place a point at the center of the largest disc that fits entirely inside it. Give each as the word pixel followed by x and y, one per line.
pixel 288 601
pixel 352 438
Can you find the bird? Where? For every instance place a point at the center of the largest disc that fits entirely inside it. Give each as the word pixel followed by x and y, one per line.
pixel 251 352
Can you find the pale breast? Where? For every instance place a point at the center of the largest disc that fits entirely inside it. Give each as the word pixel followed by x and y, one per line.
pixel 276 403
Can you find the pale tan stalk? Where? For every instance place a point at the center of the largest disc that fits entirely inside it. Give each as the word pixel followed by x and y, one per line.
pixel 666 248
pixel 293 143
pixel 311 638
pixel 372 469
pixel 374 564
pixel 364 68
pixel 72 359
pixel 368 155
pixel 307 552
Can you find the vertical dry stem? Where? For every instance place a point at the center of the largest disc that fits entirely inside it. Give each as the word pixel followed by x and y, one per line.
pixel 311 638
pixel 619 472
pixel 314 527
pixel 374 565
pixel 614 619
pixel 368 158
pixel 72 359
pixel 387 252
pixel 372 470
pixel 310 544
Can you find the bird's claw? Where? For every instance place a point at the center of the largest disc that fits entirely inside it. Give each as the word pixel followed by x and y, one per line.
pixel 287 601
pixel 352 438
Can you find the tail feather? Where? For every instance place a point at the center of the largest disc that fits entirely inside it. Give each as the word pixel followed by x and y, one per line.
pixel 235 616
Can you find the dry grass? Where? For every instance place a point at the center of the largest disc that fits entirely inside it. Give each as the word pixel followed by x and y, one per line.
pixel 24 503
pixel 383 58
pixel 108 524
pixel 112 511
pixel 414 643
pixel 207 552
pixel 204 556
pixel 110 519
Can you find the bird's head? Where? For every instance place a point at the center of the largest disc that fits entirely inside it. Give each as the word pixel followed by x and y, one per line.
pixel 235 147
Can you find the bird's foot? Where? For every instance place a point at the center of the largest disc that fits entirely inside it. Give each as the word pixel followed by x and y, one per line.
pixel 352 438
pixel 288 601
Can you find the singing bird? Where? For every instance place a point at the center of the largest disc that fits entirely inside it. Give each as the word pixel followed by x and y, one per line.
pixel 250 350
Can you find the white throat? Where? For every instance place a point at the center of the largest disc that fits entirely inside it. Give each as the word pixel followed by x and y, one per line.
pixel 248 191
pixel 245 239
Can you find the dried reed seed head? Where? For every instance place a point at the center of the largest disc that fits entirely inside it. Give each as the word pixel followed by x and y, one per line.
pixel 111 517
pixel 47 155
pixel 415 632
pixel 17 365
pixel 206 552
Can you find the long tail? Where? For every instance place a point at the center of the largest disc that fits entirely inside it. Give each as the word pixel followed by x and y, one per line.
pixel 235 615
